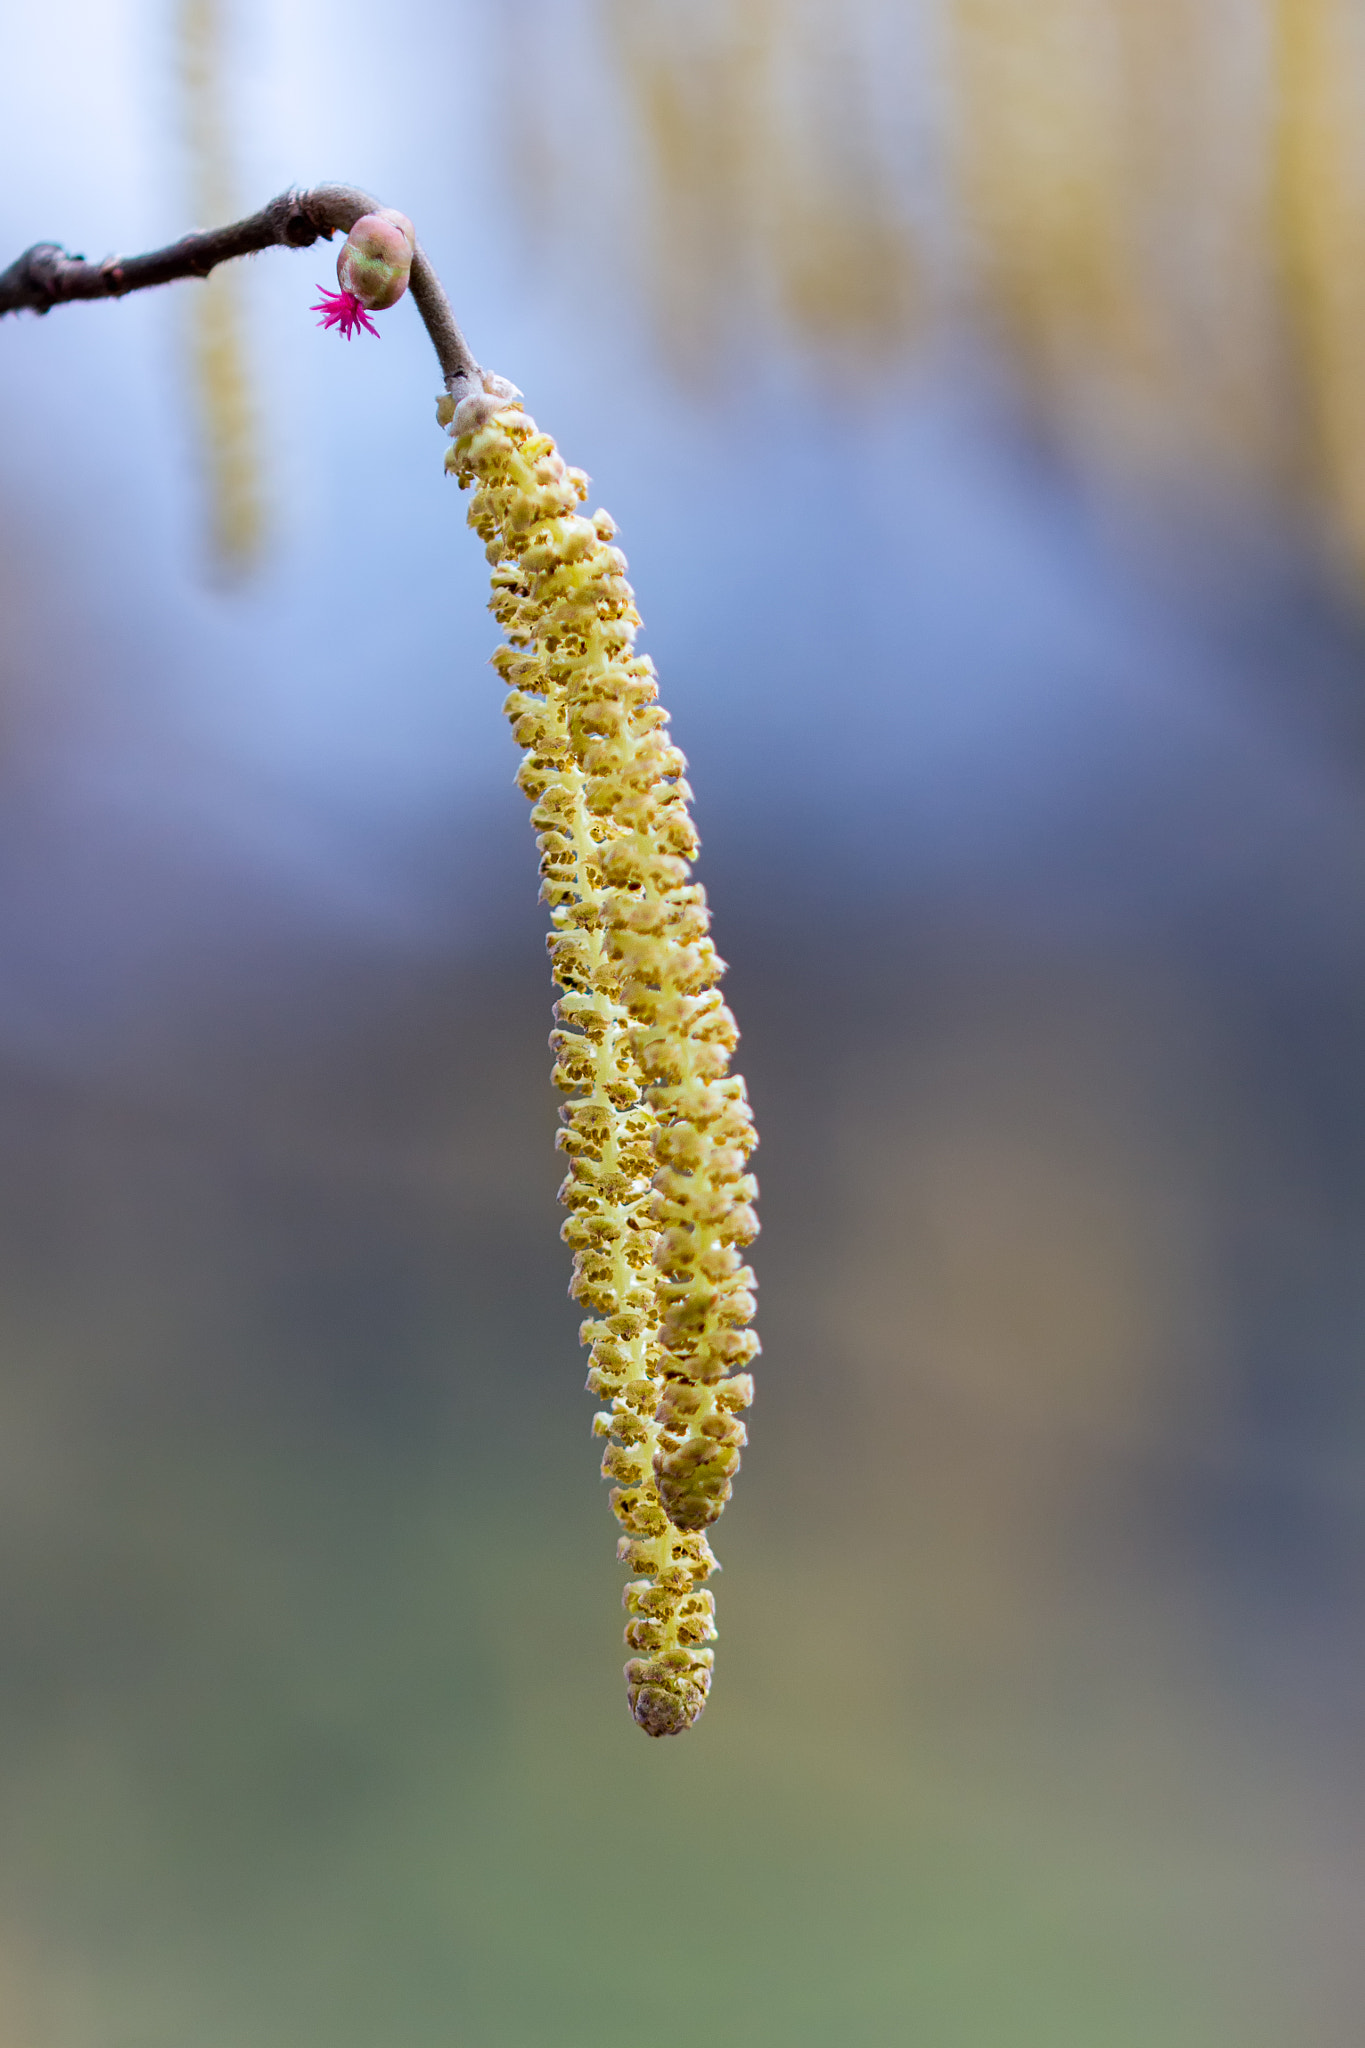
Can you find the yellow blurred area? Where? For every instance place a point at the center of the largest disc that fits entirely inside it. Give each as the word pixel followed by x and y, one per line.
pixel 217 347
pixel 1156 207
pixel 762 154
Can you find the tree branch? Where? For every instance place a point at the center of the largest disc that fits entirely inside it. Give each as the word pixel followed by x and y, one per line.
pixel 45 276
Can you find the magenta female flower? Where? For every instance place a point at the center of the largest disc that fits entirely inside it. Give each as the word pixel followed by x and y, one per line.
pixel 343 310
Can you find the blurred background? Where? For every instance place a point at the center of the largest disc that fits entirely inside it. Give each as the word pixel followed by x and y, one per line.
pixel 980 390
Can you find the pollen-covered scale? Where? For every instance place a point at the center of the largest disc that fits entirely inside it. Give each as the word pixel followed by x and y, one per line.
pixel 657 1131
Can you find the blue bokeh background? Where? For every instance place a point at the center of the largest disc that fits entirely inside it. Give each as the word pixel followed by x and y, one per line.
pixel 1032 797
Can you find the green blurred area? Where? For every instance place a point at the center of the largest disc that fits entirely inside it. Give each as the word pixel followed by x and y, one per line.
pixel 311 1711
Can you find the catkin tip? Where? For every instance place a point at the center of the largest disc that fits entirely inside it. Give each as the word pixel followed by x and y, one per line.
pixel 663 1703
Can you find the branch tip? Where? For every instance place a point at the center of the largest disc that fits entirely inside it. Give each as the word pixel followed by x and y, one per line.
pixel 46 276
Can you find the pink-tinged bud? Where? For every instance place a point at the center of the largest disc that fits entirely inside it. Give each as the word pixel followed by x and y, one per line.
pixel 376 260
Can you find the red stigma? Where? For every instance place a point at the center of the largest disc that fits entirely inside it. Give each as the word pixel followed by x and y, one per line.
pixel 343 310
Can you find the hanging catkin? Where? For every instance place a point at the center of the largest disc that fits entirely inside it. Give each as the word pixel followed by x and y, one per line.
pixel 657 1132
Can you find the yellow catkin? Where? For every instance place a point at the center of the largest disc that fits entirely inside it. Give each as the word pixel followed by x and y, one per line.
pixel 221 371
pixel 657 1132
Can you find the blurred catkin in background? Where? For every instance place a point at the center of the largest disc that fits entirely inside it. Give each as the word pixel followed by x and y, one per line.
pixel 214 310
pixel 1153 211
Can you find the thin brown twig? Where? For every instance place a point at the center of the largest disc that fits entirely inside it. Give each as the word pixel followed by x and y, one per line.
pixel 45 276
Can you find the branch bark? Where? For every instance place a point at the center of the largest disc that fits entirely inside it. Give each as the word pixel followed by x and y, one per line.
pixel 45 276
